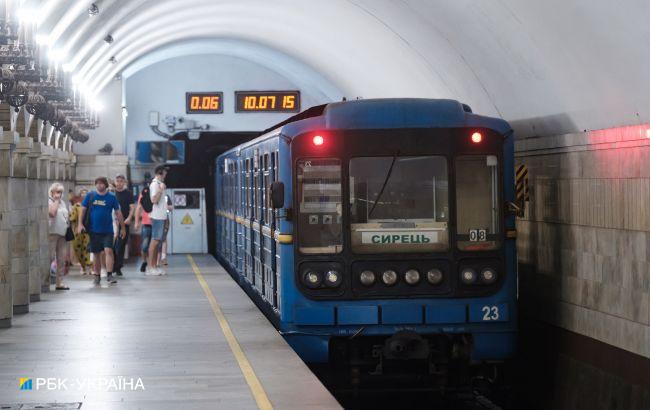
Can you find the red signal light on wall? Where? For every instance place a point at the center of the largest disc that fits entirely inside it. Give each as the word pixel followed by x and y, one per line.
pixel 318 140
pixel 477 137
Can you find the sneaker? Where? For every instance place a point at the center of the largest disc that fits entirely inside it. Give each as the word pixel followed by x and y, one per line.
pixel 118 272
pixel 143 267
pixel 110 278
pixel 97 279
pixel 160 272
pixel 151 272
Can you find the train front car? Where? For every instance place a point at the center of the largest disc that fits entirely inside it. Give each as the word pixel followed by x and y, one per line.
pixel 403 252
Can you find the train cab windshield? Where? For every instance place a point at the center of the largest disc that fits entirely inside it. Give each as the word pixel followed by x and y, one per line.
pixel 399 204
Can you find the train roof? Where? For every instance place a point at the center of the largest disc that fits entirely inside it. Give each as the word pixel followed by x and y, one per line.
pixel 384 113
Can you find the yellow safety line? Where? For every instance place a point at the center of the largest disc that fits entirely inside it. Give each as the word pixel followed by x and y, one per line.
pixel 257 390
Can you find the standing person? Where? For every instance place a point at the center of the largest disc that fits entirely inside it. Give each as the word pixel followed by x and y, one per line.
pixel 82 240
pixel 57 227
pixel 125 199
pixel 158 217
pixel 100 205
pixel 142 217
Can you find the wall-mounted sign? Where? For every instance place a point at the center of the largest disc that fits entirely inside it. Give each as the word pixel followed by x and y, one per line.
pixel 160 152
pixel 267 101
pixel 204 102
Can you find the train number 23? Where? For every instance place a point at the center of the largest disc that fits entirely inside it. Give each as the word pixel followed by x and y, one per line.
pixel 490 313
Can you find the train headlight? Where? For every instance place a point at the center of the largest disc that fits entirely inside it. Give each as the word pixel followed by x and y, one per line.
pixel 412 277
pixel 434 276
pixel 367 278
pixel 468 276
pixel 333 278
pixel 488 276
pixel 389 277
pixel 312 279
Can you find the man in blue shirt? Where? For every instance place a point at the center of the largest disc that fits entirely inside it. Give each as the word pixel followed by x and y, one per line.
pixel 101 204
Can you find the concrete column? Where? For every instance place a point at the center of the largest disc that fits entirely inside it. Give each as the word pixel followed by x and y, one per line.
pixel 67 167
pixel 7 146
pixel 61 157
pixel 19 238
pixel 36 199
pixel 73 167
pixel 44 181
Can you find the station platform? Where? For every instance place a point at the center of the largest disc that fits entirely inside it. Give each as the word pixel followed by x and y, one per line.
pixel 188 340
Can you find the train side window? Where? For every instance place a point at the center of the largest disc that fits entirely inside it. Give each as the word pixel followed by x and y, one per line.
pixel 276 177
pixel 267 184
pixel 248 188
pixel 237 190
pixel 477 202
pixel 320 208
pixel 256 191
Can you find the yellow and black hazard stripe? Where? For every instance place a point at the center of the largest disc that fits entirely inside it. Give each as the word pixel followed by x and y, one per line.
pixel 521 184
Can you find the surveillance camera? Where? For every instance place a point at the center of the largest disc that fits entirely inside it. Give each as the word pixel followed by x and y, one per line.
pixel 93 10
pixel 108 39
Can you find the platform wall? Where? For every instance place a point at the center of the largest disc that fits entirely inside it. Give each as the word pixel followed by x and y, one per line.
pixel 584 243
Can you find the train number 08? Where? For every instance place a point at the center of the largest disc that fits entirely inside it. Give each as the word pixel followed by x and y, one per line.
pixel 477 235
pixel 490 313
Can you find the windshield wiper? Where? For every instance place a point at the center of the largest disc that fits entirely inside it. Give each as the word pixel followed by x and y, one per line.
pixel 383 187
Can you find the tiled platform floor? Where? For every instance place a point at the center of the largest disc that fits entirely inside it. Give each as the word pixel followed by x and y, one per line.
pixel 161 330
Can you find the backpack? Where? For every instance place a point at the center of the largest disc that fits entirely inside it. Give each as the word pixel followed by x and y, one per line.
pixel 86 221
pixel 145 200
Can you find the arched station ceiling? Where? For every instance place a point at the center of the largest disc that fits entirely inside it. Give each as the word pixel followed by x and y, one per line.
pixel 547 66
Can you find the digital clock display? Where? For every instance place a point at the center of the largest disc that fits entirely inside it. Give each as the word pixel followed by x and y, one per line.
pixel 267 101
pixel 204 103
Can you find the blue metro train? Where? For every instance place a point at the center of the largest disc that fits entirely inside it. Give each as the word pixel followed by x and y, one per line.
pixel 378 233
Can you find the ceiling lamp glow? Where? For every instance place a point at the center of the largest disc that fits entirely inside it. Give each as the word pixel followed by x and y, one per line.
pixel 57 55
pixel 43 40
pixel 27 16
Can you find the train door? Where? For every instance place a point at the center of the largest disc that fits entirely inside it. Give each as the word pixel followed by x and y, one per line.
pixel 187 225
pixel 248 222
pixel 271 245
pixel 257 225
pixel 265 231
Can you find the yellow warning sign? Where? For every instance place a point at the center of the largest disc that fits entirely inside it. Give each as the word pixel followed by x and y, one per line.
pixel 187 220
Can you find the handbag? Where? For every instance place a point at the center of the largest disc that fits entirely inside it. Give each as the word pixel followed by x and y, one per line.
pixel 69 234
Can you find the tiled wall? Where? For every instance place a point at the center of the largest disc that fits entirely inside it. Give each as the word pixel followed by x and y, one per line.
pixel 584 242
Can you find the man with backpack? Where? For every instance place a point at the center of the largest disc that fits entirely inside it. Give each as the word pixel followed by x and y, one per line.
pixel 158 217
pixel 96 217
pixel 125 199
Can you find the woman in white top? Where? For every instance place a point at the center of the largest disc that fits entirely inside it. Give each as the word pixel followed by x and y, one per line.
pixel 58 224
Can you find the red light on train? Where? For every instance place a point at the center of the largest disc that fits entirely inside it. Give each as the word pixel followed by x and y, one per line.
pixel 477 137
pixel 318 140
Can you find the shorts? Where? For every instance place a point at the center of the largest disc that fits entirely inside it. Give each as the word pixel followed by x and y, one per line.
pixel 157 229
pixel 146 237
pixel 100 241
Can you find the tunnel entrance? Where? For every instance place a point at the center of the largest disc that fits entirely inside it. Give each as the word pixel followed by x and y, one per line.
pixel 198 169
